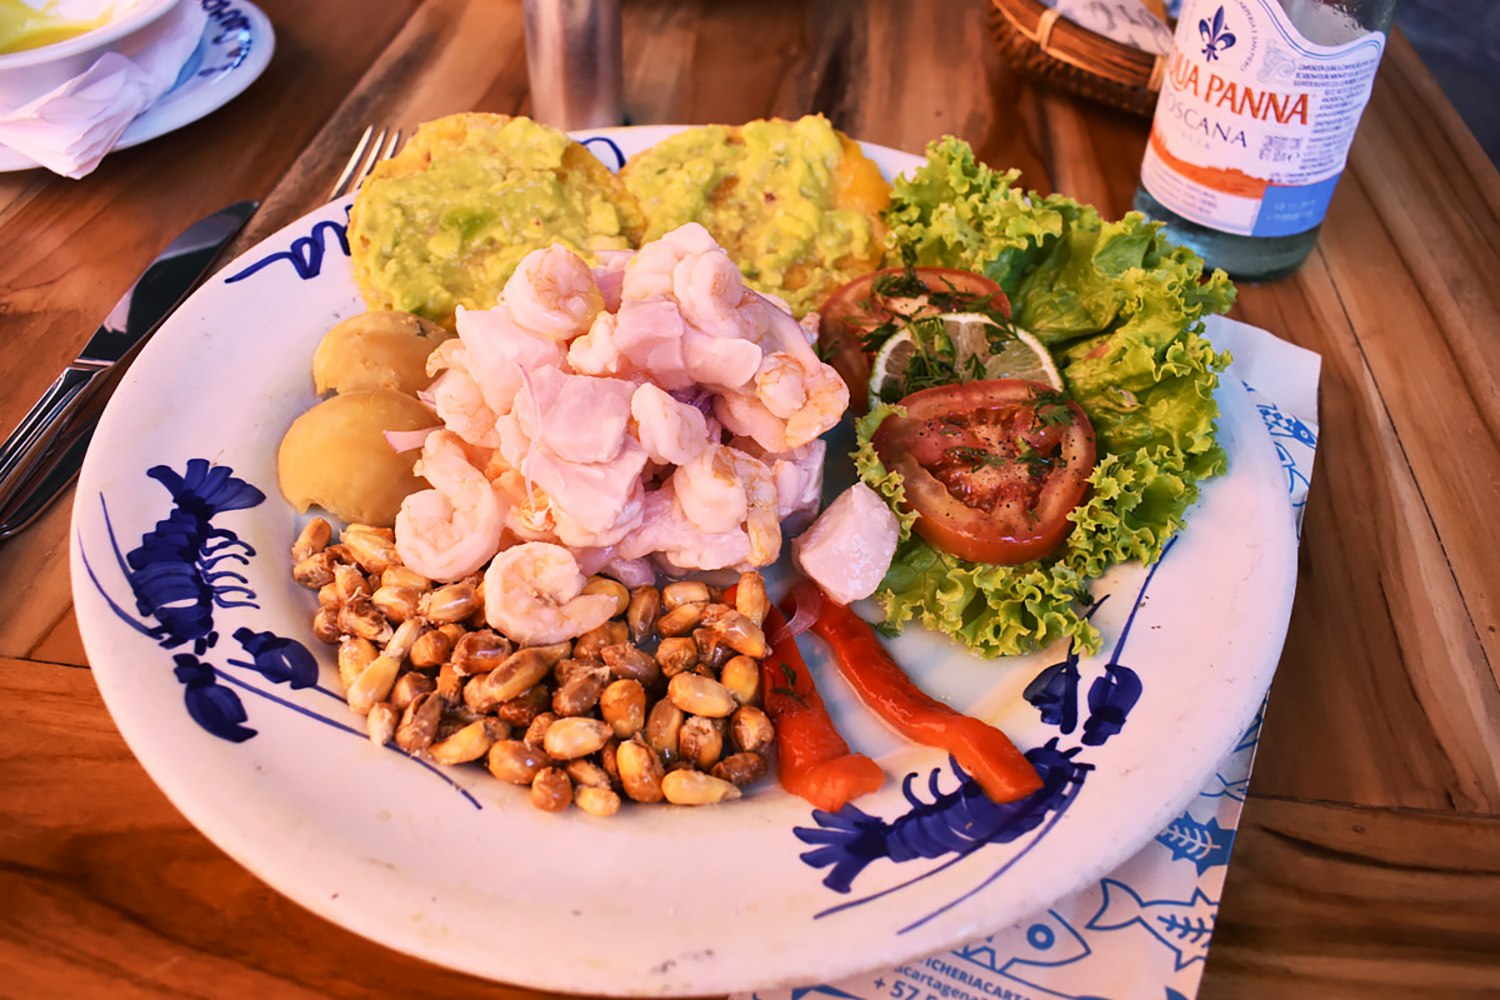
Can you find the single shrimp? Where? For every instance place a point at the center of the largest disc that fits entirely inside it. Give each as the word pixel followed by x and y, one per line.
pixel 746 416
pixel 453 529
pixel 781 384
pixel 723 489
pixel 533 592
pixel 827 399
pixel 553 293
pixel 672 432
pixel 460 403
pixel 649 274
pixel 713 297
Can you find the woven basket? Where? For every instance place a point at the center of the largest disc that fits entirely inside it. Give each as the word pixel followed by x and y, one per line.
pixel 1040 43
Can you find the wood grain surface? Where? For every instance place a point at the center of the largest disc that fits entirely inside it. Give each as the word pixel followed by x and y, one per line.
pixel 1368 859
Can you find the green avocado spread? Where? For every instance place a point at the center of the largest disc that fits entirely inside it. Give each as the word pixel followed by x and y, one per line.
pixel 446 222
pixel 794 204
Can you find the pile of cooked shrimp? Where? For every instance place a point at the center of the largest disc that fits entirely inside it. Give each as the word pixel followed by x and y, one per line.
pixel 658 701
pixel 650 412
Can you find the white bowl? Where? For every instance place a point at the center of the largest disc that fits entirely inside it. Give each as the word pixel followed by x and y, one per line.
pixel 30 73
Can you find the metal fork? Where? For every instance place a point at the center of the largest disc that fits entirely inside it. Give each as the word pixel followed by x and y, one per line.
pixel 366 155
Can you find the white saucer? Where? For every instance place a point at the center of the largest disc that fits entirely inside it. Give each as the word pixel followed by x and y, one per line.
pixel 235 50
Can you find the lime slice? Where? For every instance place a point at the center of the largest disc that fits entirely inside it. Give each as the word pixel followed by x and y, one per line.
pixel 1022 357
pixel 890 363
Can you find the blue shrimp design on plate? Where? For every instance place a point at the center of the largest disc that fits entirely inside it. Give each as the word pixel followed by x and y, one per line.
pixel 957 823
pixel 176 580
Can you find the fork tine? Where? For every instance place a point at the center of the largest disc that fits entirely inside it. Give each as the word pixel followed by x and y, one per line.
pixel 341 186
pixel 367 154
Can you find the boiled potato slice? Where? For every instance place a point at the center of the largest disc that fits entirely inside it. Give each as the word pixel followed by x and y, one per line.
pixel 376 350
pixel 335 456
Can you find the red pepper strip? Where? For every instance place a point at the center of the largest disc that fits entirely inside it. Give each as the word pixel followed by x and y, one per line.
pixel 980 749
pixel 812 759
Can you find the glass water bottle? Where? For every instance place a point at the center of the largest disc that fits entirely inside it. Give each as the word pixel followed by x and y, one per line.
pixel 1252 130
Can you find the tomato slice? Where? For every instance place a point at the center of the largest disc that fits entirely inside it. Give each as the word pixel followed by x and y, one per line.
pixel 991 468
pixel 854 310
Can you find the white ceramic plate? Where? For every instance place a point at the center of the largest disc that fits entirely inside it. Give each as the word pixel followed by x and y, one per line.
pixel 236 48
pixel 194 628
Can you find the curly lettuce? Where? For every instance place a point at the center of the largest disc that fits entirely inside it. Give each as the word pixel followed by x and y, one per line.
pixel 1121 308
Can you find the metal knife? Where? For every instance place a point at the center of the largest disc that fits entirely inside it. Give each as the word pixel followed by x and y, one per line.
pixel 43 454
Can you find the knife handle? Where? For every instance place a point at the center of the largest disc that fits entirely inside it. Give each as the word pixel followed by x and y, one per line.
pixel 29 441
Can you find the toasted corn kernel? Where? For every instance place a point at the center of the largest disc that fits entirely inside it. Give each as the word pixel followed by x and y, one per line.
pixel 451 603
pixel 623 705
pixel 609 760
pixel 601 802
pixel 604 585
pixel 555 652
pixel 741 675
pixel 581 691
pixel 644 609
pixel 741 769
pixel 750 597
pixel 314 538
pixel 450 686
pixel 676 655
pixel 640 771
pixel 697 695
pixel 536 732
pixel 586 772
pixel 701 742
pixel 405 576
pixel 381 723
pixel 360 617
pixel 330 597
pixel 397 603
pixel 551 791
pixel 521 710
pixel 326 625
pixel 314 572
pixel 625 660
pixel 674 595
pixel 480 652
pixel 739 632
pixel 373 684
pixel 374 549
pixel 567 739
pixel 409 686
pixel 682 619
pixel 431 648
pixel 405 636
pixel 355 655
pixel 713 651
pixel 515 762
pixel 751 729
pixel 588 645
pixel 515 674
pixel 419 723
pixel 663 727
pixel 348 583
pixel 469 743
pixel 686 787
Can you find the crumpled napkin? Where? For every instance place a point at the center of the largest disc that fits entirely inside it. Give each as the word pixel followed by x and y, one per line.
pixel 70 129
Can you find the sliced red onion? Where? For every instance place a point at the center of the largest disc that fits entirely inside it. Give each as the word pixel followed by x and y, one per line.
pixel 404 441
pixel 809 602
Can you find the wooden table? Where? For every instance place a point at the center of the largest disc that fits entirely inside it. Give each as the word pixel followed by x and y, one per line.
pixel 1368 860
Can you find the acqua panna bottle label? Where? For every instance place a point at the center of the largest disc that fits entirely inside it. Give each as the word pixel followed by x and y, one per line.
pixel 1254 121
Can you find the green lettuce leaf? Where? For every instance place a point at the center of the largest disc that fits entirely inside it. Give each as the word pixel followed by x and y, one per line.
pixel 1122 310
